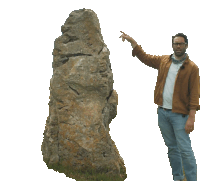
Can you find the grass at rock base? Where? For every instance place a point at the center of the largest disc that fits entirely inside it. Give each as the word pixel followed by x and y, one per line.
pixel 89 175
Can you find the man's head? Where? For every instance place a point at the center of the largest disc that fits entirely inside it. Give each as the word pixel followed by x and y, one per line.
pixel 179 44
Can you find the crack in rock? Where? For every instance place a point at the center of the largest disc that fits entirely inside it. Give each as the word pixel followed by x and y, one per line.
pixel 62 108
pixel 74 90
pixel 66 58
pixel 78 54
pixel 109 95
pixel 100 51
pixel 70 38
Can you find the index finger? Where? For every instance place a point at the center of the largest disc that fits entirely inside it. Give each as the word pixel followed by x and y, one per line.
pixel 122 32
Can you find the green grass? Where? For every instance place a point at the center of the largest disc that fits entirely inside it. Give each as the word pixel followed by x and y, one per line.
pixel 89 175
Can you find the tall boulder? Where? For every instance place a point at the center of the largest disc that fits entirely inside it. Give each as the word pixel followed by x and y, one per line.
pixel 82 100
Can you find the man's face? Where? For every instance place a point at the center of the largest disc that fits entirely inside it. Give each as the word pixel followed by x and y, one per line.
pixel 179 49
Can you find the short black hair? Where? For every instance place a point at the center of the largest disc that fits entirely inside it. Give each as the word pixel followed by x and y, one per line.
pixel 180 35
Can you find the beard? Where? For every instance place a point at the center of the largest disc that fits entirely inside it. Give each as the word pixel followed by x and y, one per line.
pixel 179 54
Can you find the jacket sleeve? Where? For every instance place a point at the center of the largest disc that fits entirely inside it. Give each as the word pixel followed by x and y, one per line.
pixel 194 89
pixel 150 60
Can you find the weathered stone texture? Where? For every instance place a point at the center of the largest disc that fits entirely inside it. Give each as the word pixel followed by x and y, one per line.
pixel 82 100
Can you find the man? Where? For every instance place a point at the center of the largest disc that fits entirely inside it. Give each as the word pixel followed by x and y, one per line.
pixel 177 97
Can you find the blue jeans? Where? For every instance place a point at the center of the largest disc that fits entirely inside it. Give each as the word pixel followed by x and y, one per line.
pixel 172 126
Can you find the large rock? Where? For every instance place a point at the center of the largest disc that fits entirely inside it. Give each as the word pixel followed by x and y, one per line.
pixel 82 100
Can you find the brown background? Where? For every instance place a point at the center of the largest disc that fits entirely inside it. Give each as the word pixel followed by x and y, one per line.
pixel 28 32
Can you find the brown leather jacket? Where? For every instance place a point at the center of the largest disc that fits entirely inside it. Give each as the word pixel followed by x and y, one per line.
pixel 186 88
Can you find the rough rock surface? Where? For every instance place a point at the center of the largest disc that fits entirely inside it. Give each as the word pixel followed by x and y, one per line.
pixel 82 100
